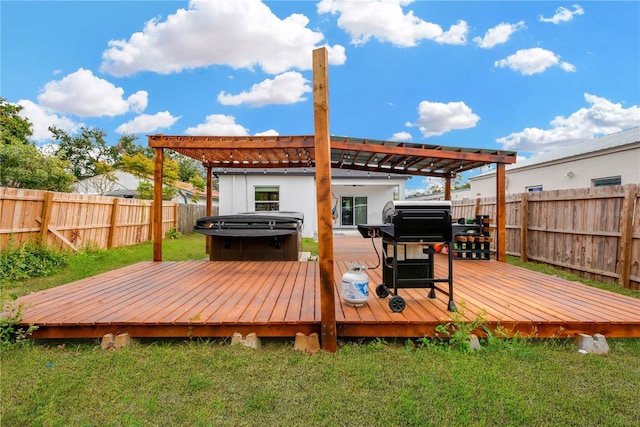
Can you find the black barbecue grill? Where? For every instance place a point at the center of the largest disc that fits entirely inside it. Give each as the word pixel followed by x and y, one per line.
pixel 409 233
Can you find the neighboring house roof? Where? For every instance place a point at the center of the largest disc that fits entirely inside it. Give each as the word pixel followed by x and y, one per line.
pixel 585 147
pixel 125 185
pixel 335 173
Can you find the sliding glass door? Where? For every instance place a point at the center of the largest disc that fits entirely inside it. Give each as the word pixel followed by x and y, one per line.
pixel 353 210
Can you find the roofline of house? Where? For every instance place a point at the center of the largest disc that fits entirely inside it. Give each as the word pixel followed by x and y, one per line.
pixel 581 156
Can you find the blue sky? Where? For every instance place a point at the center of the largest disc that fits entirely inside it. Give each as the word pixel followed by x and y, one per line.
pixel 527 76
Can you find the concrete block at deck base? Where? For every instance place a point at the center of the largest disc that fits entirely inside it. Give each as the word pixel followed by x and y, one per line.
pixel 600 345
pixel 107 342
pixel 584 343
pixel 121 340
pixel 251 340
pixel 309 344
pixel 474 342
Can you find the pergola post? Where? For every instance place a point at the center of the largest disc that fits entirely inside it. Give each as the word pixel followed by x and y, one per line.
pixel 323 199
pixel 208 208
pixel 447 188
pixel 157 204
pixel 501 213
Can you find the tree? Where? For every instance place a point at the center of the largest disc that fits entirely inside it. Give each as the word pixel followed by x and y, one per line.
pixel 126 145
pixel 21 164
pixel 13 128
pixel 84 151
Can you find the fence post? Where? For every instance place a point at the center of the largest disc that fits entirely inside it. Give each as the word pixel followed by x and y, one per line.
pixel 477 207
pixel 151 213
pixel 46 216
pixel 626 229
pixel 113 224
pixel 524 226
pixel 175 216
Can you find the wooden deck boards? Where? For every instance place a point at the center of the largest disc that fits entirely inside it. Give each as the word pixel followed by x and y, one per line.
pixel 204 298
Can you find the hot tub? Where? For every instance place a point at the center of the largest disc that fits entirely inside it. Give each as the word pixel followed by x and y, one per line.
pixel 253 236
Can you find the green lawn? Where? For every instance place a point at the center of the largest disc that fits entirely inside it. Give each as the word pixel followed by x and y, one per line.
pixel 366 383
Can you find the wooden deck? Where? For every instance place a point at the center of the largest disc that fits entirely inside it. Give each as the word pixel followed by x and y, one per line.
pixel 279 299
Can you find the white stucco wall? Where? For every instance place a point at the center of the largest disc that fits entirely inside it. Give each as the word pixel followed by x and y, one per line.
pixel 563 175
pixel 298 193
pixel 377 193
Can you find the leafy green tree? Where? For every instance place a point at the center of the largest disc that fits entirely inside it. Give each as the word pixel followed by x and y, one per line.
pixel 21 164
pixel 197 182
pixel 13 128
pixel 126 145
pixel 84 151
pixel 145 191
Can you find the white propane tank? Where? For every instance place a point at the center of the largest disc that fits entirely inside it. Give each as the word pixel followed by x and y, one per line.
pixel 355 286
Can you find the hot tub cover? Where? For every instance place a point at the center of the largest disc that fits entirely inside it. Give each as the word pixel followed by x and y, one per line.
pixel 251 224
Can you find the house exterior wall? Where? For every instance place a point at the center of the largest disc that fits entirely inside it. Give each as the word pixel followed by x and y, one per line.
pixel 564 174
pixel 298 193
pixel 377 193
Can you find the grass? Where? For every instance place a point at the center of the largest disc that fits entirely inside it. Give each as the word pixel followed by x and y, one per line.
pixel 203 383
pixel 309 244
pixel 209 382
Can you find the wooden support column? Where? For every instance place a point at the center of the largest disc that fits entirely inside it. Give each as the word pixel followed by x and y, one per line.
pixel 208 209
pixel 501 213
pixel 323 199
pixel 447 188
pixel 626 234
pixel 157 204
pixel 524 227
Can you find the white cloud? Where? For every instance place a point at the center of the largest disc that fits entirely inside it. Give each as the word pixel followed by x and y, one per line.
pixel 42 118
pixel 401 136
pixel 218 124
pixel 387 21
pixel 148 123
pixel 85 95
pixel 237 33
pixel 269 132
pixel 563 14
pixel 602 117
pixel 436 118
pixel 533 61
pixel 498 34
pixel 286 88
pixel 138 101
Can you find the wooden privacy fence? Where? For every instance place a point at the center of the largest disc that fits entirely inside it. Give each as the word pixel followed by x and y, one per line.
pixel 593 232
pixel 188 214
pixel 69 220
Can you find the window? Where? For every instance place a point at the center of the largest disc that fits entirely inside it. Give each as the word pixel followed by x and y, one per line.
pixel 267 198
pixel 534 188
pixel 603 182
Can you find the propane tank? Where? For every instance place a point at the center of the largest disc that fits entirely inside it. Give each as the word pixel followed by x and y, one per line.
pixel 355 286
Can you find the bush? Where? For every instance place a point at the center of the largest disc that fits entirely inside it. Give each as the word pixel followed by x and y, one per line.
pixel 30 260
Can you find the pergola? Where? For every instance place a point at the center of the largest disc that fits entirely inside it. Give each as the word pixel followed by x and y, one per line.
pixel 323 151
